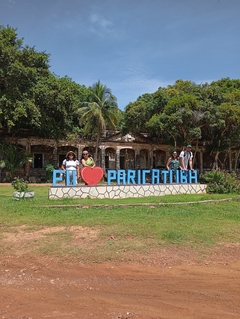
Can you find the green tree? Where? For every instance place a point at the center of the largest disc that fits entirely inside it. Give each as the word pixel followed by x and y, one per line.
pixel 135 117
pixel 160 100
pixel 31 97
pixel 21 67
pixel 138 113
pixel 225 132
pixel 221 103
pixel 99 113
pixel 57 100
pixel 181 87
pixel 14 158
pixel 179 120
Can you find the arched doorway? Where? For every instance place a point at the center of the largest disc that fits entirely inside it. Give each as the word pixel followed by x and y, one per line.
pixel 110 158
pixel 127 158
pixel 159 159
pixel 144 159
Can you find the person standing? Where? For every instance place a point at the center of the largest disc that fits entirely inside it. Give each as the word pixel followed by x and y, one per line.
pixel 186 157
pixel 87 160
pixel 70 163
pixel 173 162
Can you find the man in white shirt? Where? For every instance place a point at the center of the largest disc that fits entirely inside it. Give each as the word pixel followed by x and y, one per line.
pixel 186 157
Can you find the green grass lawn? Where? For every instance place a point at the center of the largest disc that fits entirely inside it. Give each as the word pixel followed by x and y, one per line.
pixel 142 226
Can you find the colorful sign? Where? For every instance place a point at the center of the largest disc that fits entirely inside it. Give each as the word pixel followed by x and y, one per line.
pixel 154 176
pixel 92 176
pixel 60 175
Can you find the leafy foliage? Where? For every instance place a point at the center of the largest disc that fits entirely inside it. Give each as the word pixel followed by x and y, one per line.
pixel 13 158
pixel 31 97
pixel 57 100
pixel 49 170
pixel 21 67
pixel 136 116
pixel 20 185
pixel 188 113
pixel 221 182
pixel 99 113
pixel 34 99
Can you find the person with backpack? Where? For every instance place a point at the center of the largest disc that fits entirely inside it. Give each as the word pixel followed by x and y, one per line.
pixel 186 157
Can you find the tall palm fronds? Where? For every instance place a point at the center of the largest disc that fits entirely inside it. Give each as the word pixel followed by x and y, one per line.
pixel 13 158
pixel 99 113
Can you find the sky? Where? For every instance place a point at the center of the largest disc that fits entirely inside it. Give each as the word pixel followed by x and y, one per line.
pixel 132 46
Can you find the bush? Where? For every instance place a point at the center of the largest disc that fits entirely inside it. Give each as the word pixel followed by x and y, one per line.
pixel 20 185
pixel 49 169
pixel 221 182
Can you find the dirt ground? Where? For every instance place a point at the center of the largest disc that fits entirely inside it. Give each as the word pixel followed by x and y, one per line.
pixel 169 284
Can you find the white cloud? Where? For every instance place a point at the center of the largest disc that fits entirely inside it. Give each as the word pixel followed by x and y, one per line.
pixel 100 25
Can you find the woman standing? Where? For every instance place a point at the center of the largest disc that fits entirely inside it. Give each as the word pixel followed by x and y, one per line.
pixel 71 164
pixel 87 160
pixel 173 163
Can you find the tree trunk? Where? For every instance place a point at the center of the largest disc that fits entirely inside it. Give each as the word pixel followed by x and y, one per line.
pixel 230 160
pixel 97 145
pixel 215 163
pixel 236 160
pixel 195 153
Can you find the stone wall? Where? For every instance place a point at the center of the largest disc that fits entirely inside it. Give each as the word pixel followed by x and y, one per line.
pixel 124 191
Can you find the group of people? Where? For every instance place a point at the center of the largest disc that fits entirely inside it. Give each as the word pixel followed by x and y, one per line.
pixel 174 162
pixel 182 162
pixel 70 163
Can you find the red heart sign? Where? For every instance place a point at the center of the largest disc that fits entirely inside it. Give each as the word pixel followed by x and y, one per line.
pixel 91 176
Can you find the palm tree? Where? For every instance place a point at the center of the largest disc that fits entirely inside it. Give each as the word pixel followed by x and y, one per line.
pixel 100 112
pixel 13 158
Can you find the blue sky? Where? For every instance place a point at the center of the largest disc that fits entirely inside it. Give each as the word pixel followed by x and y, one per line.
pixel 132 46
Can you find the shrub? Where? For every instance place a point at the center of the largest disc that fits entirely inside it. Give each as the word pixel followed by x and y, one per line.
pixel 49 169
pixel 13 158
pixel 20 185
pixel 221 182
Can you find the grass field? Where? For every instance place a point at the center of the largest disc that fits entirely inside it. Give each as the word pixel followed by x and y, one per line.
pixel 99 230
